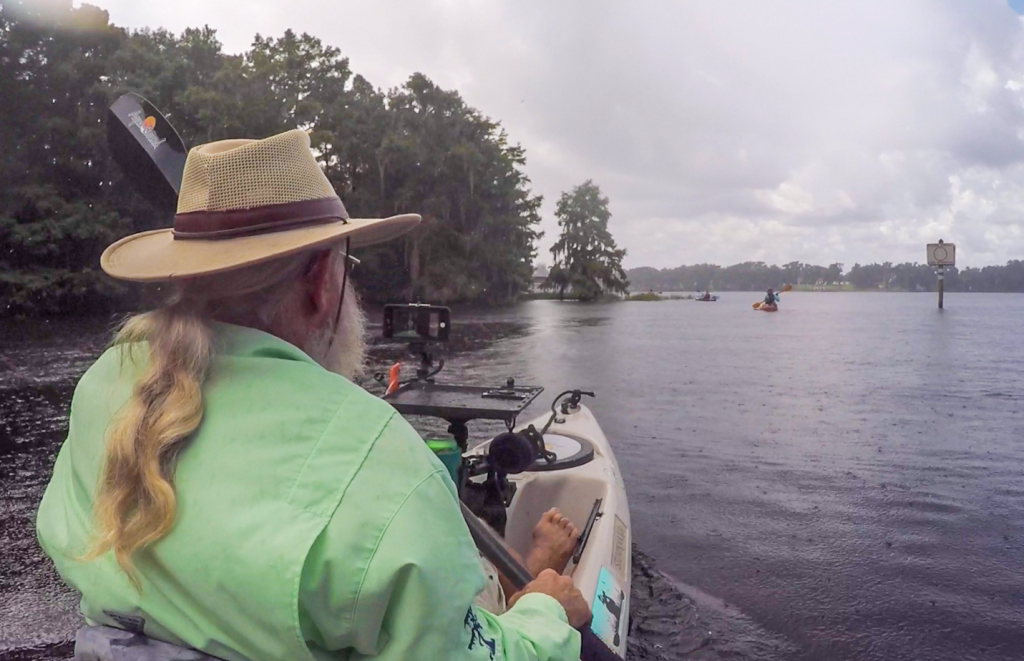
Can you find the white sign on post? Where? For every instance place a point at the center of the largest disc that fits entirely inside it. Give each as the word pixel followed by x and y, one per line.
pixel 941 254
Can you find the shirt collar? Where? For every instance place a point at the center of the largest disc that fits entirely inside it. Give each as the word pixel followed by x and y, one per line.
pixel 243 341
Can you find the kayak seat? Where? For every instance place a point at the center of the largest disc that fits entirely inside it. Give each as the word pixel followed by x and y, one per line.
pixel 110 644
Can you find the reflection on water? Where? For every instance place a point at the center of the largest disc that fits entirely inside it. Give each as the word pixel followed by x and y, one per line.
pixel 842 479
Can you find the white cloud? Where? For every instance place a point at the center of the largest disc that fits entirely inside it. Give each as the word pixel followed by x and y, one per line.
pixel 721 131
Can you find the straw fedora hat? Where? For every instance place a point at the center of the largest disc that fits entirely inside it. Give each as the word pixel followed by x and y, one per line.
pixel 243 202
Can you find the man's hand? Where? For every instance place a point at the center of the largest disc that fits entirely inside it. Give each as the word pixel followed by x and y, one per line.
pixel 560 587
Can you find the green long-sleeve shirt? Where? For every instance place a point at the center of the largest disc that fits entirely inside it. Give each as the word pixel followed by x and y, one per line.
pixel 313 523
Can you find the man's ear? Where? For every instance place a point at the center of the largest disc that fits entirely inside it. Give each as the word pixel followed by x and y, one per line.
pixel 318 287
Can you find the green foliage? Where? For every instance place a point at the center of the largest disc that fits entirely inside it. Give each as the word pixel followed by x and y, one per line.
pixel 58 292
pixel 1008 278
pixel 414 149
pixel 57 212
pixel 587 261
pixel 748 276
pixel 921 277
pixel 437 156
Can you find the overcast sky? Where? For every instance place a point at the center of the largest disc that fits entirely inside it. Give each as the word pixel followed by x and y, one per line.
pixel 721 130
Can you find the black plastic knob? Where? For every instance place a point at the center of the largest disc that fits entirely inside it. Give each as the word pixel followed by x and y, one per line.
pixel 511 453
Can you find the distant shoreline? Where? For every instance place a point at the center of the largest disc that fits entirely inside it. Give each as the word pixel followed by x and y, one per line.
pixel 676 295
pixel 905 277
pixel 827 289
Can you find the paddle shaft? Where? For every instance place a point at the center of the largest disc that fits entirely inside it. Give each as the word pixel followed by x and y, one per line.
pixel 493 548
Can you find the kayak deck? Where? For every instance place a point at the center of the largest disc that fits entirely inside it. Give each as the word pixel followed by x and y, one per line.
pixel 591 493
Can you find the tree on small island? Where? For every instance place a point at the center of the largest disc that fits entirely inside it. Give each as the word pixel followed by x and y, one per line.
pixel 587 263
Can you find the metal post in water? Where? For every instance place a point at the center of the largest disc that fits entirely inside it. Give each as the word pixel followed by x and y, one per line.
pixel 941 255
pixel 942 283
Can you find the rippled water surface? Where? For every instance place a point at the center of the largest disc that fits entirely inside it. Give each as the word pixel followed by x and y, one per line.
pixel 843 479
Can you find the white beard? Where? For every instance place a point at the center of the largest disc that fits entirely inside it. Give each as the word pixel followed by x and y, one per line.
pixel 346 355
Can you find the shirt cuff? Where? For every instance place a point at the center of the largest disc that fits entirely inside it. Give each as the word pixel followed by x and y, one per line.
pixel 536 602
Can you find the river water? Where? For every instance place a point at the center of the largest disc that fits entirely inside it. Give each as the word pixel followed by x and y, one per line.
pixel 843 479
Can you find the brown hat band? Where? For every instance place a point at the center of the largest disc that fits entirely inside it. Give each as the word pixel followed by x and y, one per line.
pixel 273 218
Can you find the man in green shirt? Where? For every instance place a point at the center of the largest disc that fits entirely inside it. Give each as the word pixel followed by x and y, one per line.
pixel 224 487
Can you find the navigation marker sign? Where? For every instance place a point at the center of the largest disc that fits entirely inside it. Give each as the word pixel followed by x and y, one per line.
pixel 941 254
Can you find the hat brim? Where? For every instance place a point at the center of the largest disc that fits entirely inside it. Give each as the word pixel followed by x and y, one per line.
pixel 156 256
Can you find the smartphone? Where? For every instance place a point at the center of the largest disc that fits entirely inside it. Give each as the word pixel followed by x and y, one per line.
pixel 417 322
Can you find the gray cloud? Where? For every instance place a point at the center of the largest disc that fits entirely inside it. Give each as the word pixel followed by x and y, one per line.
pixel 721 131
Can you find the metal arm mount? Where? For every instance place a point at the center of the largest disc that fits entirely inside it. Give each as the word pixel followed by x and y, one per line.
pixel 426 370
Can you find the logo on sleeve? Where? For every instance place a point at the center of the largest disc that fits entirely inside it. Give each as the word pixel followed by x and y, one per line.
pixel 476 633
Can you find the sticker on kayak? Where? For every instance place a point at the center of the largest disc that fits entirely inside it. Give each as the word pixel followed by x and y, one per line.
pixel 620 547
pixel 607 611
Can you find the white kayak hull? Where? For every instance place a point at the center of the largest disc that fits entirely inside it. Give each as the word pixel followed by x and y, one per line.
pixel 603 573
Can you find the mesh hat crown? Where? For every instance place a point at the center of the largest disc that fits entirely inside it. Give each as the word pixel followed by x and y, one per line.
pixel 243 202
pixel 243 174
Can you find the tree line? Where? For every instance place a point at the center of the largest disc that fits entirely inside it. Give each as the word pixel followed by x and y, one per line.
pixel 415 148
pixel 755 276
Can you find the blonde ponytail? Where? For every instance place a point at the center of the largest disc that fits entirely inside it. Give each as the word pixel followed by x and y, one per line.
pixel 135 503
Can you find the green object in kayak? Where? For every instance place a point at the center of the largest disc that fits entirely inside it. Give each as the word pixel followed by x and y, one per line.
pixel 449 453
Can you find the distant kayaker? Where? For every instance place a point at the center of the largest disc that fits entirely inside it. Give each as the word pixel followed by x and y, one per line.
pixel 707 295
pixel 225 487
pixel 770 298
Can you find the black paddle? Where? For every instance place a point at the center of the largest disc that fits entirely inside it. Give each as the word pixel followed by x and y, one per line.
pixel 493 547
pixel 147 148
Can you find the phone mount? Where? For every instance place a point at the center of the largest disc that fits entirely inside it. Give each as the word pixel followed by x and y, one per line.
pixel 421 325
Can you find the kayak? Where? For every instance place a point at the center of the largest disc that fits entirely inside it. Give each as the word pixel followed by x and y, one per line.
pixel 585 484
pixel 768 308
pixel 707 300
